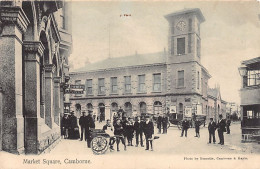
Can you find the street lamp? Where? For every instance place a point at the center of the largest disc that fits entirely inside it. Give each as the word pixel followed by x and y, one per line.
pixel 242 71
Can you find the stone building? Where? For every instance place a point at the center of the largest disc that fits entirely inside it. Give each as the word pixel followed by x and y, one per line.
pixel 35 43
pixel 250 99
pixel 173 81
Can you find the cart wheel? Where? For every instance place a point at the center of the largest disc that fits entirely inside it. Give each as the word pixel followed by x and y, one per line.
pixel 179 125
pixel 168 125
pixel 99 145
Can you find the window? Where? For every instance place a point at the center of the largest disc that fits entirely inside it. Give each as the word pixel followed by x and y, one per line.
pixel 181 108
pixel 101 86
pixel 142 107
pixel 172 45
pixel 114 107
pixel 127 84
pixel 157 82
pixel 157 107
pixel 253 77
pixel 198 47
pixel 141 83
pixel 249 114
pixel 113 84
pixel 128 109
pixel 89 87
pixel 181 46
pixel 181 78
pixel 89 106
pixel 198 84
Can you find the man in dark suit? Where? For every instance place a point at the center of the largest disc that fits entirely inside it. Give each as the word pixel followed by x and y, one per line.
pixel 119 133
pixel 185 127
pixel 221 129
pixel 148 132
pixel 138 127
pixel 89 124
pixel 83 125
pixel 159 123
pixel 228 125
pixel 212 128
pixel 164 123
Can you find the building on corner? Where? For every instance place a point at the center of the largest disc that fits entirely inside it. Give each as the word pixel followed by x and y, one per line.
pixel 173 81
pixel 35 43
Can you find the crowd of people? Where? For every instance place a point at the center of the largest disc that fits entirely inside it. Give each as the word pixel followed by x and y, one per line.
pixel 123 129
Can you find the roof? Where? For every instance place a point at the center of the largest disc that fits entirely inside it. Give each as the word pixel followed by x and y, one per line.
pixel 126 61
pixel 213 92
pixel 197 11
pixel 252 63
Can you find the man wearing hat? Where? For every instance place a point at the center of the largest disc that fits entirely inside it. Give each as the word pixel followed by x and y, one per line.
pixel 89 124
pixel 73 127
pixel 212 128
pixel 83 125
pixel 148 132
pixel 221 129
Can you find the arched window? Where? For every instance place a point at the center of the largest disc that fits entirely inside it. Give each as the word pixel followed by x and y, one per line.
pixel 114 107
pixel 142 107
pixel 128 108
pixel 78 110
pixel 157 107
pixel 89 106
pixel 180 108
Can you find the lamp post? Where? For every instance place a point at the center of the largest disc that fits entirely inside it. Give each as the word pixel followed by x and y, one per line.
pixel 243 73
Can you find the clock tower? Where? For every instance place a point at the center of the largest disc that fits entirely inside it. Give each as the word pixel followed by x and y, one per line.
pixel 185 73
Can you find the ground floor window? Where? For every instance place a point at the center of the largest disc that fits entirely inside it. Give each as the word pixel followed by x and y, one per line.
pixel 142 107
pixel 157 107
pixel 128 109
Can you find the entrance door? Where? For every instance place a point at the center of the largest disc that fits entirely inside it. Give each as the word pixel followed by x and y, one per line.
pixel 101 112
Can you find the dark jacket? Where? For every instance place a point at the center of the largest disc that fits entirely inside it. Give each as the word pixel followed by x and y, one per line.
pixel 73 122
pixel 129 128
pixel 185 124
pixel 148 129
pixel 212 127
pixel 221 125
pixel 65 122
pixel 164 121
pixel 90 122
pixel 83 121
pixel 118 129
pixel 138 127
pixel 228 122
pixel 197 124
pixel 159 121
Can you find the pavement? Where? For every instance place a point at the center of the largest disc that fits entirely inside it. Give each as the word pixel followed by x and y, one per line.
pixel 170 151
pixel 172 143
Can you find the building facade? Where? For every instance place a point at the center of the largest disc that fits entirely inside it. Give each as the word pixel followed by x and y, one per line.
pixel 250 99
pixel 173 81
pixel 35 43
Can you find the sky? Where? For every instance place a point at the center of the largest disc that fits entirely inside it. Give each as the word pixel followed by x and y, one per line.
pixel 229 35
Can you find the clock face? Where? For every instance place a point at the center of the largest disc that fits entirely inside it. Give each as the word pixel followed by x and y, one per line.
pixel 181 25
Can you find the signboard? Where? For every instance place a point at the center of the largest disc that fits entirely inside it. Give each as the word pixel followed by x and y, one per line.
pixel 188 111
pixel 77 87
pixel 173 109
pixel 199 109
pixel 74 91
